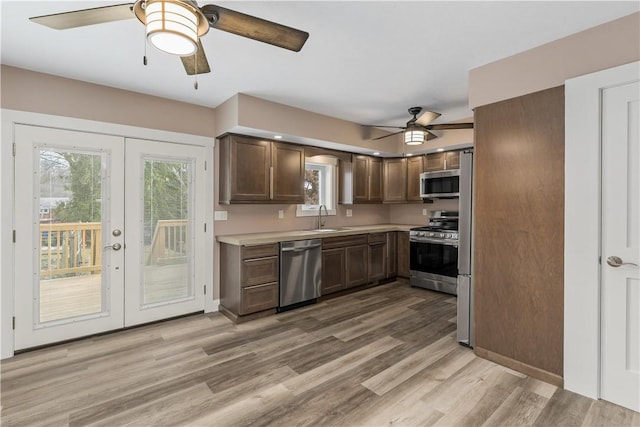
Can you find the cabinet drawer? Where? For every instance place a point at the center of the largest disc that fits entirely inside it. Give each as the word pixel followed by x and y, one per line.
pixel 259 251
pixel 342 241
pixel 258 298
pixel 259 271
pixel 378 238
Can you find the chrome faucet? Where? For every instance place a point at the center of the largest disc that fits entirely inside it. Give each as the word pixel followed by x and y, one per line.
pixel 326 213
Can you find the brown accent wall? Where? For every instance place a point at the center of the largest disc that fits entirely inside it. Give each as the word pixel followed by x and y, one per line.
pixel 519 228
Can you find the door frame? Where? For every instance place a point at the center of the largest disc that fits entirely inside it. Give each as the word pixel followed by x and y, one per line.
pixel 9 118
pixel 583 226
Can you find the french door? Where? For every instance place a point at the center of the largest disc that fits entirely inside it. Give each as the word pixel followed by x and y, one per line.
pixel 109 233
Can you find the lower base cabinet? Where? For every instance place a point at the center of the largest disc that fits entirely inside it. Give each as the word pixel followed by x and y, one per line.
pixel 377 258
pixel 333 270
pixel 403 254
pixel 249 278
pixel 357 260
pixel 344 262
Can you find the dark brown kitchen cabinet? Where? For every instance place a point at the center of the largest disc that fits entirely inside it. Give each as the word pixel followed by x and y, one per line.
pixel 260 171
pixel 392 256
pixel 377 256
pixel 333 270
pixel 344 262
pixel 414 169
pixel 248 278
pixel 395 180
pixel 442 161
pixel 357 258
pixel 366 179
pixel 403 254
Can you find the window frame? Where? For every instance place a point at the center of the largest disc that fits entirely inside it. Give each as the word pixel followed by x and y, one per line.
pixel 328 167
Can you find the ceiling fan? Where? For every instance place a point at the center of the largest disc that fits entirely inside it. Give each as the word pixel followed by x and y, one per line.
pixel 418 129
pixel 175 26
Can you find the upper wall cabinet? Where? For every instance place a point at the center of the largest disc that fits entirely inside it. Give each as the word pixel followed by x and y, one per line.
pixel 415 167
pixel 260 171
pixel 395 180
pixel 361 180
pixel 442 161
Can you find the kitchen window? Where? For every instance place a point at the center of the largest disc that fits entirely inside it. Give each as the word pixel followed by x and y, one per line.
pixel 320 186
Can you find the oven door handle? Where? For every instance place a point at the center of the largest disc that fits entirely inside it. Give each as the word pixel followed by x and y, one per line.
pixel 436 241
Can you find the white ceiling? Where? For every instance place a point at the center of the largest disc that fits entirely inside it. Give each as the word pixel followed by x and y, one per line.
pixel 366 62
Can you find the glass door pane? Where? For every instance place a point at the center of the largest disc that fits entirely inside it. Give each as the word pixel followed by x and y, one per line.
pixel 167 242
pixel 70 229
pixel 69 246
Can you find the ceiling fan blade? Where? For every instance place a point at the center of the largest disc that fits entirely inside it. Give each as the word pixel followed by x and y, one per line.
pixel 254 28
pixel 427 117
pixel 387 136
pixel 196 63
pixel 80 18
pixel 431 136
pixel 383 126
pixel 449 126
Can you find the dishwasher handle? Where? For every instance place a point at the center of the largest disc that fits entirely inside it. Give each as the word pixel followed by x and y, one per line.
pixel 303 249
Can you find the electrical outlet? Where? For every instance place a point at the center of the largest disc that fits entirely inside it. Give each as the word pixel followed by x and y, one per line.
pixel 349 212
pixel 220 215
pixel 424 212
pixel 280 214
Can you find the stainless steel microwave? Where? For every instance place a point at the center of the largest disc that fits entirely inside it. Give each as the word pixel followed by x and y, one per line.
pixel 440 184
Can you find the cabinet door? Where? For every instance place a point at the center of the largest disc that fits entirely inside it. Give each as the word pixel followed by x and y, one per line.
pixel 357 258
pixel 392 256
pixel 414 169
pixel 403 254
pixel 376 184
pixel 434 161
pixel 288 173
pixel 333 270
pixel 360 179
pixel 377 261
pixel 395 180
pixel 250 161
pixel 258 298
pixel 453 160
pixel 259 270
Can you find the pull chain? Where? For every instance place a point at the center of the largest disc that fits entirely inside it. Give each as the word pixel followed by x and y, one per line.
pixel 144 57
pixel 195 83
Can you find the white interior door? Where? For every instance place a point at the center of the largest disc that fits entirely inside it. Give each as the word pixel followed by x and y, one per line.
pixel 67 283
pixel 165 220
pixel 620 293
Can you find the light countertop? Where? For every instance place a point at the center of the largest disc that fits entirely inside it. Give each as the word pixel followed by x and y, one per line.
pixel 284 236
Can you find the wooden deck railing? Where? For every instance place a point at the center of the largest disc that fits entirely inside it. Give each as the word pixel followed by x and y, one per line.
pixel 169 242
pixel 68 248
pixel 71 248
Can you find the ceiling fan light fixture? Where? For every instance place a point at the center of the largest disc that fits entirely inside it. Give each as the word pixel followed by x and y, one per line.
pixel 413 136
pixel 172 26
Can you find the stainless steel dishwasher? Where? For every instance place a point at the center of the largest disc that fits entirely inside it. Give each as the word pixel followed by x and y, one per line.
pixel 300 273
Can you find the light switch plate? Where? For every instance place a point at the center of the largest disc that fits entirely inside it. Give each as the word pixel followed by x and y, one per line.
pixel 280 214
pixel 220 215
pixel 349 212
pixel 424 212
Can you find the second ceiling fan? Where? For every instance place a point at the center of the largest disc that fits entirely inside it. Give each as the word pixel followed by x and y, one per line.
pixel 175 26
pixel 418 130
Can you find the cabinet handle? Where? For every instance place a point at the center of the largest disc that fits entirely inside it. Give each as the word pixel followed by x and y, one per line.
pixel 271 183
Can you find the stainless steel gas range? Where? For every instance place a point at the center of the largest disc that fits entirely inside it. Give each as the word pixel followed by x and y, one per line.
pixel 434 253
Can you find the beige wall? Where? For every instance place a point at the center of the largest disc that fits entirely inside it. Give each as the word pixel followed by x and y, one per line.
pixel 25 90
pixel 598 48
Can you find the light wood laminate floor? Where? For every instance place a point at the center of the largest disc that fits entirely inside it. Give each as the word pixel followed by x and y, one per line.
pixel 383 356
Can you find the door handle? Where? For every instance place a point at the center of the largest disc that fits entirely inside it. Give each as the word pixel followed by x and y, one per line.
pixel 616 261
pixel 115 247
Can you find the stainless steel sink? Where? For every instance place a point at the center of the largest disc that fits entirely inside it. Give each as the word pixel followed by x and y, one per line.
pixel 326 230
